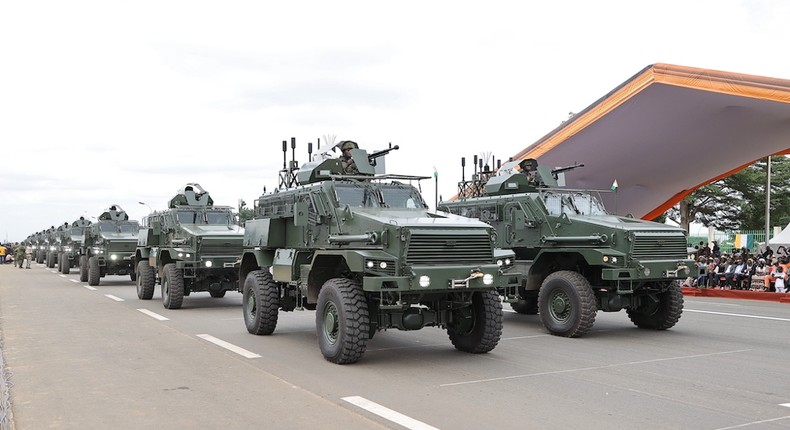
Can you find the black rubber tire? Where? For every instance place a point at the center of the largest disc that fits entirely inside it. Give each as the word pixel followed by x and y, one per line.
pixel 66 265
pixel 484 328
pixel 261 302
pixel 146 280
pixel 83 268
pixel 342 321
pixel 661 315
pixel 94 271
pixel 172 287
pixel 133 276
pixel 217 294
pixel 527 306
pixel 567 304
pixel 60 262
pixel 51 259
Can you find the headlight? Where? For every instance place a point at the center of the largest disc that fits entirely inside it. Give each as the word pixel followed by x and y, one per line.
pixel 383 265
pixel 370 264
pixel 180 255
pixel 113 257
pixel 500 263
pixel 209 263
pixel 610 259
pixel 425 281
pixel 488 279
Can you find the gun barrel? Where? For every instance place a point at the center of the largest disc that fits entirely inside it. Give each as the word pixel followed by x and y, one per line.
pixel 382 153
pixel 565 169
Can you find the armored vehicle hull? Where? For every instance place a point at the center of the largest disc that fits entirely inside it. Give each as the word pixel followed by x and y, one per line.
pixel 576 258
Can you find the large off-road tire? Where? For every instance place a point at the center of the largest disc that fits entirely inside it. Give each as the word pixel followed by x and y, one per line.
pixel 83 268
pixel 172 287
pixel 217 294
pixel 526 306
pixel 567 304
pixel 261 302
pixel 40 256
pixel 66 265
pixel 51 256
pixel 94 271
pixel 133 276
pixel 146 280
pixel 479 327
pixel 660 315
pixel 60 262
pixel 342 321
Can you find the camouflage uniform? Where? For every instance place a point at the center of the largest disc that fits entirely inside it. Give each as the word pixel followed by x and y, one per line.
pixel 530 168
pixel 346 162
pixel 19 255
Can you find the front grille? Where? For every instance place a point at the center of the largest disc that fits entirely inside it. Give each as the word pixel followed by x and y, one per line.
pixel 221 247
pixel 660 246
pixel 449 247
pixel 122 246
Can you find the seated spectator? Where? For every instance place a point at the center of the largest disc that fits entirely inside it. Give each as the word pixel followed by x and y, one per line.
pixel 743 280
pixel 733 265
pixel 758 277
pixel 702 279
pixel 780 275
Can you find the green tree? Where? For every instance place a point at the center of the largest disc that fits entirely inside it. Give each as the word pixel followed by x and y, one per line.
pixel 737 202
pixel 245 213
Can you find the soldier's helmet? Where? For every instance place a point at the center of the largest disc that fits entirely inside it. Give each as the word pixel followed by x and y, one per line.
pixel 528 165
pixel 347 144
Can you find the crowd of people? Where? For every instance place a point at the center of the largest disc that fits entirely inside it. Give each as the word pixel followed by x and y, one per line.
pixel 741 269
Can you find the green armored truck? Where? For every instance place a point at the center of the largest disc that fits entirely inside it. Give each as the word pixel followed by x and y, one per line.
pixel 52 240
pixel 73 246
pixel 363 250
pixel 576 258
pixel 192 246
pixel 109 243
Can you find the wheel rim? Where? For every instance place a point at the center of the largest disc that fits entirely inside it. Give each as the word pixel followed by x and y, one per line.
pixel 331 326
pixel 560 305
pixel 251 307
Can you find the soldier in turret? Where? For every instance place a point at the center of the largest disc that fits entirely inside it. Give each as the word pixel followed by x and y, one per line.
pixel 346 162
pixel 530 168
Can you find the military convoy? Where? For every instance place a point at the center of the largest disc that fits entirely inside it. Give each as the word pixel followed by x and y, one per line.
pixel 364 252
pixel 190 247
pixel 109 244
pixel 359 246
pixel 575 257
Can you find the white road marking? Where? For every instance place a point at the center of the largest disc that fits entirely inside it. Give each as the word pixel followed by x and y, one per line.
pixel 582 369
pixel 738 315
pixel 89 287
pixel 787 405
pixel 62 275
pixel 229 346
pixel 154 315
pixel 53 271
pixel 388 414
pixel 110 296
pixel 75 281
pixel 753 423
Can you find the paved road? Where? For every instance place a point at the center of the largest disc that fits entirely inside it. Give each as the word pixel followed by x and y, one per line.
pixel 101 358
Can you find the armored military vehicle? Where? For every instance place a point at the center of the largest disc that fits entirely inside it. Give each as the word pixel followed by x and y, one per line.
pixel 110 244
pixel 576 257
pixel 40 246
pixel 364 252
pixel 73 246
pixel 192 246
pixel 52 246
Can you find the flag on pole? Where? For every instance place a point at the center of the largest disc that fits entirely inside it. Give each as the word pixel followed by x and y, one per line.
pixel 435 172
pixel 614 185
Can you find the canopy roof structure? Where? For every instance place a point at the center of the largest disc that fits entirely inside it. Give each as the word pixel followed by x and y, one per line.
pixel 667 131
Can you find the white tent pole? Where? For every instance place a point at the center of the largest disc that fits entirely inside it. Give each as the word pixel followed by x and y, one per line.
pixel 767 199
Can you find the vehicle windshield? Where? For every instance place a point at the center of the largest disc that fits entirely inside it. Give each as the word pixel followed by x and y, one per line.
pixel 379 195
pixel 187 217
pixel 111 227
pixel 219 218
pixel 572 203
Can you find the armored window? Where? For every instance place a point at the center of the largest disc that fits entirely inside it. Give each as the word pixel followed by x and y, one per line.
pixel 129 228
pixel 401 196
pixel 187 217
pixel 218 218
pixel 356 195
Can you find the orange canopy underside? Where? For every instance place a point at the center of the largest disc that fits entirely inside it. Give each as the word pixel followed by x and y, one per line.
pixel 668 131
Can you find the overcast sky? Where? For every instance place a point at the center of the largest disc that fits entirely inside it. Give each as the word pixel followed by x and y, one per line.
pixel 121 102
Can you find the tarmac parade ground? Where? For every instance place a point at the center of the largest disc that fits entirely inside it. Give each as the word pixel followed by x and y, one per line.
pixel 79 357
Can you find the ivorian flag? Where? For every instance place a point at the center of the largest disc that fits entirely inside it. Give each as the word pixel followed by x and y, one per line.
pixel 614 185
